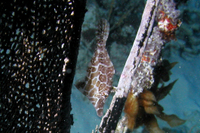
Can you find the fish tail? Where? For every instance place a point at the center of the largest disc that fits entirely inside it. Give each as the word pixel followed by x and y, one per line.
pixel 102 32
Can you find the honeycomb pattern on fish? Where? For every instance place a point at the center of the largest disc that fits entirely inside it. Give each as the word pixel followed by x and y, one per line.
pixel 100 71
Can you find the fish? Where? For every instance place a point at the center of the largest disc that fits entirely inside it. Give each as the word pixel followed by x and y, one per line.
pixel 98 82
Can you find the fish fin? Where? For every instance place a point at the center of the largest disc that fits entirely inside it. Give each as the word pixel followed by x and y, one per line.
pixel 80 85
pixel 102 32
pixel 99 106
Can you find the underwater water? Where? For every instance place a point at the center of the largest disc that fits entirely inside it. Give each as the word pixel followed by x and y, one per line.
pixel 184 98
pixel 37 37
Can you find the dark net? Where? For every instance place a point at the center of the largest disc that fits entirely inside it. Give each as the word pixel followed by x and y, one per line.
pixel 38 50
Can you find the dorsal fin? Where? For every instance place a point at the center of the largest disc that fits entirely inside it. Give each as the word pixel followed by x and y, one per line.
pixel 102 32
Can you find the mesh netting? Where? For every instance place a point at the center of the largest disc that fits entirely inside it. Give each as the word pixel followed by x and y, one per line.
pixel 35 84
